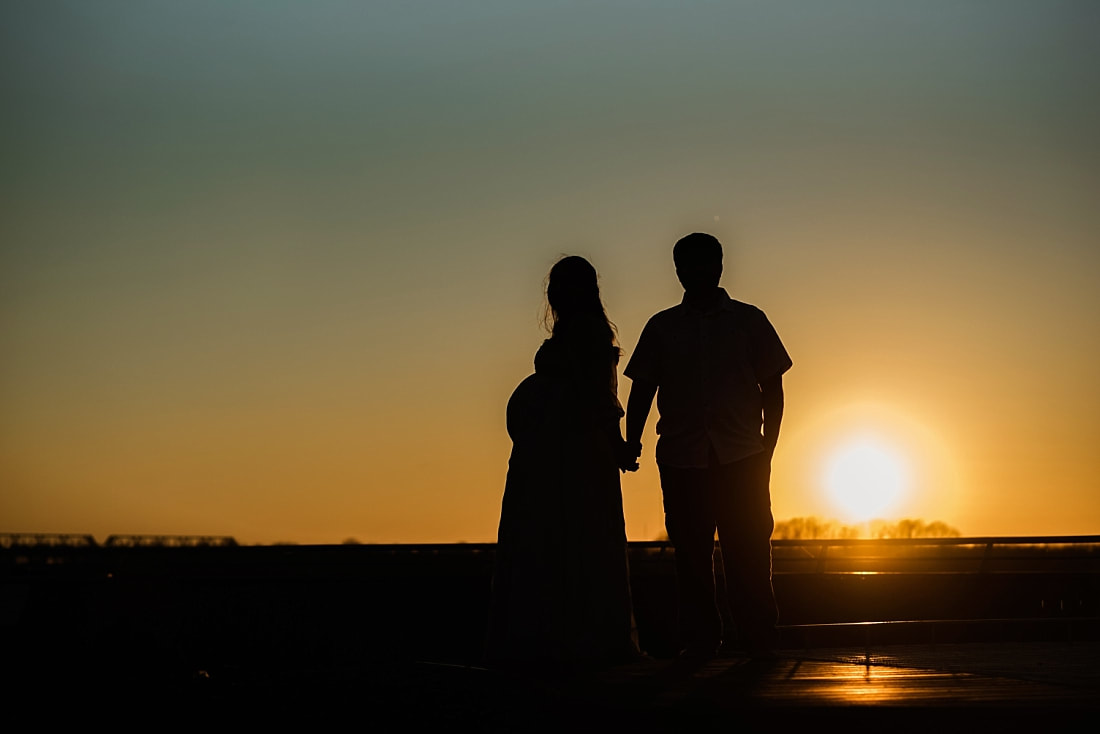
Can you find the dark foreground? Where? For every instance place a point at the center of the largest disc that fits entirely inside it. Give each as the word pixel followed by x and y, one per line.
pixel 1002 686
pixel 967 635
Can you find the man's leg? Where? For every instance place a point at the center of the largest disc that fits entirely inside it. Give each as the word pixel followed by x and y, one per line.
pixel 689 519
pixel 745 525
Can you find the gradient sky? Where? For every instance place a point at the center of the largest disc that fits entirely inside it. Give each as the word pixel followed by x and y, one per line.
pixel 272 269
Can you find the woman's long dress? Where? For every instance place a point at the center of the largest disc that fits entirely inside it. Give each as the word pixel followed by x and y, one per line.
pixel 561 585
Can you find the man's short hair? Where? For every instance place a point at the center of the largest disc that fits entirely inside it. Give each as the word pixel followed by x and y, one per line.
pixel 697 247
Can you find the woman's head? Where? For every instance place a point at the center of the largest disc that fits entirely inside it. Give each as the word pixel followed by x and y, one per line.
pixel 573 288
pixel 573 292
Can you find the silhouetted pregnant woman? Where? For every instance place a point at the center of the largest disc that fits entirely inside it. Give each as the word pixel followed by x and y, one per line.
pixel 561 585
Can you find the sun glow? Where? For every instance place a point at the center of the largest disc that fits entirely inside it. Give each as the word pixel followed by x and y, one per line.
pixel 866 478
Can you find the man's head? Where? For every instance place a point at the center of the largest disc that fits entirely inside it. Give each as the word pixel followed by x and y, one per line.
pixel 698 260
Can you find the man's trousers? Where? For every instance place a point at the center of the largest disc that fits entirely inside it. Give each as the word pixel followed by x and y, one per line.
pixel 734 500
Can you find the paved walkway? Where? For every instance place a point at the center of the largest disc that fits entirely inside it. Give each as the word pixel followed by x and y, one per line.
pixel 930 688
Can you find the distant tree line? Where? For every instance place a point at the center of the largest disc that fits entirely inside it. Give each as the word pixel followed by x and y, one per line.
pixel 809 528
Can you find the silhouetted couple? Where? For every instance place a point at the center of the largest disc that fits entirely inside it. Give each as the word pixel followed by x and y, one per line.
pixel 561 586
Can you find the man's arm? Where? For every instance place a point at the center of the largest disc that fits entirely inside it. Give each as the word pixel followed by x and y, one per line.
pixel 637 411
pixel 772 401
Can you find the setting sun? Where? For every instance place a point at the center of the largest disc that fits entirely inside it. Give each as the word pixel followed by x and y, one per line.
pixel 866 477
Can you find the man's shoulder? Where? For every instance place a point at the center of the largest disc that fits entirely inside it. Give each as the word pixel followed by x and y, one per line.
pixel 745 312
pixel 736 306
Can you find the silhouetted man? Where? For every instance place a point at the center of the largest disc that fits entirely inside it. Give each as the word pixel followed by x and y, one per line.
pixel 716 366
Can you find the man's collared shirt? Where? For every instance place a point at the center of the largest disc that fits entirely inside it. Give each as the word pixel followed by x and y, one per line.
pixel 708 366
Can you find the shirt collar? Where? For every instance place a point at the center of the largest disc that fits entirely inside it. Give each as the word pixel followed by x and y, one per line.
pixel 721 303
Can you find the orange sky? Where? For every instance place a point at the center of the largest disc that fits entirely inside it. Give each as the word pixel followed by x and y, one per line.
pixel 273 273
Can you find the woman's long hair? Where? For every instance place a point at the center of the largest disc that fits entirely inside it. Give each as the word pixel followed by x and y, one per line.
pixel 573 301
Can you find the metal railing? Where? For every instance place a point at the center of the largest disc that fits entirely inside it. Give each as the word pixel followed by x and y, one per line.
pixel 1010 554
pixel 974 555
pixel 46 540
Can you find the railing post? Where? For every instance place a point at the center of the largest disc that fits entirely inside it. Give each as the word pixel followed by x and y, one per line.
pixel 985 558
pixel 823 549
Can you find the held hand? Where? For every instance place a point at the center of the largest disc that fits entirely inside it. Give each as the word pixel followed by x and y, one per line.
pixel 628 456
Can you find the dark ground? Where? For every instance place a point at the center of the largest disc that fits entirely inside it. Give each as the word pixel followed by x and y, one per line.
pixel 1005 686
pixel 390 634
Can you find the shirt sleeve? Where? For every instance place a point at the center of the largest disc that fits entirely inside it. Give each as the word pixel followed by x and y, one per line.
pixel 645 362
pixel 769 356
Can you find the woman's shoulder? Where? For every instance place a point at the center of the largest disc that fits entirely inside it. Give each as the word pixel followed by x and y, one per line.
pixel 560 352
